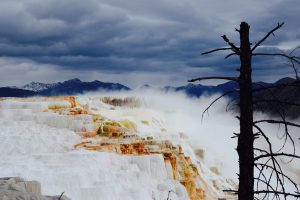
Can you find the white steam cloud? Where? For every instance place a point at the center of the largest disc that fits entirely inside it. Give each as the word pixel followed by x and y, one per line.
pixel 213 132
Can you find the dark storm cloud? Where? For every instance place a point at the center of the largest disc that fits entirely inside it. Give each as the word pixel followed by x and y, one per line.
pixel 140 36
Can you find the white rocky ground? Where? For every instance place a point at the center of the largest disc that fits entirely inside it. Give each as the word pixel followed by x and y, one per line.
pixel 38 144
pixel 16 188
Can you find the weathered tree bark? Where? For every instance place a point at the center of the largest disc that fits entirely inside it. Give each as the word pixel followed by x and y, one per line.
pixel 246 138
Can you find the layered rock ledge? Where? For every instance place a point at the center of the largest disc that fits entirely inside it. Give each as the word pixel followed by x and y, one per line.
pixel 17 188
pixel 100 148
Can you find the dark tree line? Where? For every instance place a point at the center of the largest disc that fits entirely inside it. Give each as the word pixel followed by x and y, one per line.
pixel 252 158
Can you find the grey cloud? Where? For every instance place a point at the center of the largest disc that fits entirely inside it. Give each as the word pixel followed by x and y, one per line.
pixel 140 36
pixel 17 72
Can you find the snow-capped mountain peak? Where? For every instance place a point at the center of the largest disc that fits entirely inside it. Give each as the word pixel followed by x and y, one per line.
pixel 37 87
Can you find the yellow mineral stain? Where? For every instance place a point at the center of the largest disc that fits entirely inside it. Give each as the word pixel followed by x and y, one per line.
pixel 183 169
pixel 121 137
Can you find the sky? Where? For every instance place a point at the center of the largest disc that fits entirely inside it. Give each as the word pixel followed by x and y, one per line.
pixel 136 42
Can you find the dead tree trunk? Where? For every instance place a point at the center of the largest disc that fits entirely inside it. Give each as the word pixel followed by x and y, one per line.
pixel 246 137
pixel 248 160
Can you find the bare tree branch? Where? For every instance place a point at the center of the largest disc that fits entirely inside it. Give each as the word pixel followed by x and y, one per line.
pixel 61 195
pixel 293 58
pixel 214 77
pixel 234 48
pixel 218 49
pixel 286 124
pixel 285 194
pixel 282 114
pixel 277 122
pixel 276 165
pixel 261 150
pixel 229 55
pixel 279 25
pixel 295 69
pixel 267 183
pixel 276 154
pixel 285 176
pixel 214 101
pixel 231 103
pixel 293 65
pixel 231 191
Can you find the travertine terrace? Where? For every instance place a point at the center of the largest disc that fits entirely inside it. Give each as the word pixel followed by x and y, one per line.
pixel 125 127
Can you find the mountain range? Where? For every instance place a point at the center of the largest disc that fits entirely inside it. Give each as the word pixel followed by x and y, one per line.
pixel 77 87
pixel 69 87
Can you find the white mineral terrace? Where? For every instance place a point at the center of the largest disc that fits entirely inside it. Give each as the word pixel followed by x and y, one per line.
pixel 136 156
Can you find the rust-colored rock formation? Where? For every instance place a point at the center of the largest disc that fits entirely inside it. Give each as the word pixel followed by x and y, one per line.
pixel 182 168
pixel 121 137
